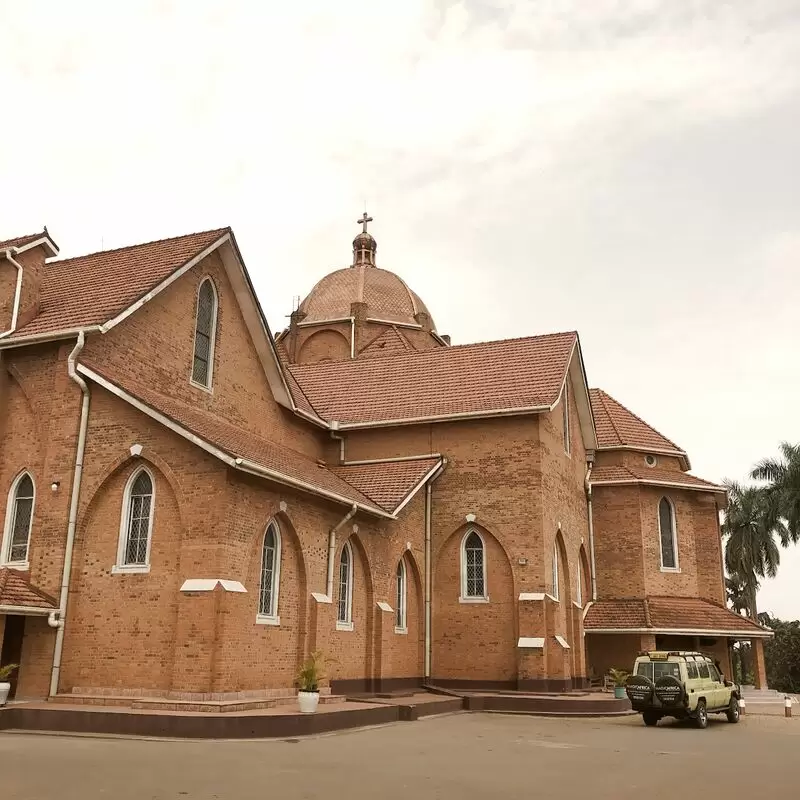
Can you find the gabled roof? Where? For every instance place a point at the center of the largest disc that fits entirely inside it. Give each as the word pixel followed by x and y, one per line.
pixel 483 379
pixel 16 591
pixel 93 289
pixel 390 484
pixel 675 615
pixel 237 447
pixel 619 428
pixel 617 475
pixel 20 241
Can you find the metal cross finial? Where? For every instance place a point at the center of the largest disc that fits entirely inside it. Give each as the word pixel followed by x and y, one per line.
pixel 364 220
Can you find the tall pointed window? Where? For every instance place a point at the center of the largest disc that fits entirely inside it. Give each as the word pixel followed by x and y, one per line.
pixel 555 571
pixel 19 517
pixel 400 621
pixel 667 535
pixel 565 412
pixel 205 334
pixel 473 569
pixel 344 614
pixel 270 577
pixel 136 530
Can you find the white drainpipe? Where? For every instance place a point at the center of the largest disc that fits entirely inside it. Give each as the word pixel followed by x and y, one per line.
pixel 73 514
pixel 428 570
pixel 17 295
pixel 332 548
pixel 589 515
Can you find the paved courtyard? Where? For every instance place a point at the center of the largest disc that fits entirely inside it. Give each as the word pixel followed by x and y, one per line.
pixel 461 756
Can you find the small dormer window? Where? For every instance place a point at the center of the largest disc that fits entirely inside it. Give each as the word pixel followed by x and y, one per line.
pixel 205 334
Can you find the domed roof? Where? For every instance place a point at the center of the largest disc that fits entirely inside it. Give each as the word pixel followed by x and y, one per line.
pixel 386 295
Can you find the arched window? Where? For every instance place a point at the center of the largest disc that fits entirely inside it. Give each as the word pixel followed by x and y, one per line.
pixel 555 570
pixel 473 569
pixel 667 535
pixel 400 622
pixel 136 529
pixel 270 577
pixel 19 517
pixel 205 334
pixel 344 615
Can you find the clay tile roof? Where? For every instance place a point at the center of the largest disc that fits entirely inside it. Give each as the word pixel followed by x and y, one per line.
pixel 386 296
pixel 388 483
pixel 19 241
pixel 237 442
pixel 619 427
pixel 644 474
pixel 92 289
pixel 669 614
pixel 17 590
pixel 506 375
pixel 388 342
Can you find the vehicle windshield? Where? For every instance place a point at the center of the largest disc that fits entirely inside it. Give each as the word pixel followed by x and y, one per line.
pixel 657 669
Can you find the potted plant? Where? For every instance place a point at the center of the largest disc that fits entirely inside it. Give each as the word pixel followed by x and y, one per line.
pixel 308 679
pixel 619 676
pixel 5 685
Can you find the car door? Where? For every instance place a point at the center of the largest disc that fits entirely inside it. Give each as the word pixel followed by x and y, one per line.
pixel 718 687
pixel 708 688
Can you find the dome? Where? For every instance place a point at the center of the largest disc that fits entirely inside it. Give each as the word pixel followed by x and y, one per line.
pixel 386 295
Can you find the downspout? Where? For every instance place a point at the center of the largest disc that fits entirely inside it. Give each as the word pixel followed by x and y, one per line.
pixel 73 511
pixel 332 548
pixel 588 486
pixel 334 427
pixel 428 571
pixel 17 295
pixel 352 337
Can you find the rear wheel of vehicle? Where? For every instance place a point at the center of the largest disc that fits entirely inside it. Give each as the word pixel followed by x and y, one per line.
pixel 701 715
pixel 733 710
pixel 651 718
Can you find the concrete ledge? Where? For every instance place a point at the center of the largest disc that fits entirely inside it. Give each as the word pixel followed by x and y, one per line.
pixel 547 706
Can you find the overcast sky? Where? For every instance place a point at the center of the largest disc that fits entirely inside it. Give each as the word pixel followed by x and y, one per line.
pixel 626 169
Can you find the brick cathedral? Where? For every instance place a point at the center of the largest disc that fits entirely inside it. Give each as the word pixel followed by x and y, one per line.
pixel 192 505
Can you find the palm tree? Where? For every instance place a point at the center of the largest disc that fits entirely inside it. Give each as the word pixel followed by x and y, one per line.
pixel 782 476
pixel 737 596
pixel 751 551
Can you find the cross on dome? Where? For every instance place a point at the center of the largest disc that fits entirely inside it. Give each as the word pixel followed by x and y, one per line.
pixel 364 245
pixel 364 219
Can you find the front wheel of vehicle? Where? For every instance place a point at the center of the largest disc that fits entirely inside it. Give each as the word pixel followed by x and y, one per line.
pixel 701 715
pixel 651 718
pixel 733 711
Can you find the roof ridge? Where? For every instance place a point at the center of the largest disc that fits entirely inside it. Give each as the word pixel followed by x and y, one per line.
pixel 646 604
pixel 60 261
pixel 4 243
pixel 603 396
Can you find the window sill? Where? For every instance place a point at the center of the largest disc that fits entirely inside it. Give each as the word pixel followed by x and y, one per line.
pixel 207 389
pixel 138 569
pixel 671 569
pixel 22 566
pixel 344 626
pixel 264 619
pixel 473 599
pixel 401 630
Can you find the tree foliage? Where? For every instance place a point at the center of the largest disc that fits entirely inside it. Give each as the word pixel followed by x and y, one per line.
pixel 782 476
pixel 782 654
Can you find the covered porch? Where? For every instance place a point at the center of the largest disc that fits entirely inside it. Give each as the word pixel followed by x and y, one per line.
pixel 26 635
pixel 617 631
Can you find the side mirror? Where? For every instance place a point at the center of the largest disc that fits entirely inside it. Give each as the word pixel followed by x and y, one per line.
pixel 729 683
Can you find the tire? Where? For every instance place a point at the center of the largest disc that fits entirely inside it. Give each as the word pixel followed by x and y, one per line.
pixel 701 715
pixel 651 718
pixel 639 690
pixel 733 711
pixel 669 691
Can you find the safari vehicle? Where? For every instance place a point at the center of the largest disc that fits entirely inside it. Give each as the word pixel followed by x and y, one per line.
pixel 679 684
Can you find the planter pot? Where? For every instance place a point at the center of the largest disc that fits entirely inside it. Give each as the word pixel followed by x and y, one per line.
pixel 619 692
pixel 5 688
pixel 308 702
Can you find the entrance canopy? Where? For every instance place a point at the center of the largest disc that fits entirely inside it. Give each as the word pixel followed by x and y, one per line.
pixel 19 596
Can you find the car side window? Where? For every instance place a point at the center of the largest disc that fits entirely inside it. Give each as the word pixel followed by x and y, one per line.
pixel 691 670
pixel 712 671
pixel 702 669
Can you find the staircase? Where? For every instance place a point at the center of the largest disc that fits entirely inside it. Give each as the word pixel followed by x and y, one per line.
pixel 763 696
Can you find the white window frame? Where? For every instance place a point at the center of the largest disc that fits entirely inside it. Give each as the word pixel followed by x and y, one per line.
pixel 464 597
pixel 579 573
pixel 401 595
pixel 212 344
pixel 555 594
pixel 272 618
pixel 8 530
pixel 120 568
pixel 674 519
pixel 565 423
pixel 345 624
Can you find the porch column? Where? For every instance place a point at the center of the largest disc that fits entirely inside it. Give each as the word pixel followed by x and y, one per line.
pixel 648 641
pixel 759 666
pixel 2 631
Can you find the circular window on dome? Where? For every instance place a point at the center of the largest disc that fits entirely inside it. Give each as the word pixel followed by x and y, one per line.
pixel 651 461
